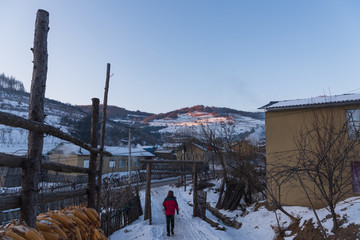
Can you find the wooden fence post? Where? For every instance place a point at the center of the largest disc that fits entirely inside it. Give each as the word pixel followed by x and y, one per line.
pixel 93 156
pixel 195 202
pixel 147 212
pixel 29 180
pixel 102 138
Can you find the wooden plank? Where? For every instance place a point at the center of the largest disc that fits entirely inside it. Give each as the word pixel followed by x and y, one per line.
pixel 171 161
pixel 10 201
pixel 13 201
pixel 55 196
pixel 16 121
pixel 169 173
pixel 11 161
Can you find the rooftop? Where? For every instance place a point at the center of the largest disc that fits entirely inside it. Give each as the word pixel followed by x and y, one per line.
pixel 320 101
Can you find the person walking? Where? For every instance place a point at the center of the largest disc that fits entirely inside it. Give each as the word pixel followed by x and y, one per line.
pixel 170 204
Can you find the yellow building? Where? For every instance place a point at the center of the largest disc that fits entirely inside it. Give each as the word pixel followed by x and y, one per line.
pixel 310 132
pixel 244 147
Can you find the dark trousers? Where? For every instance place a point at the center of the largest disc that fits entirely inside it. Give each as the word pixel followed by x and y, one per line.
pixel 169 219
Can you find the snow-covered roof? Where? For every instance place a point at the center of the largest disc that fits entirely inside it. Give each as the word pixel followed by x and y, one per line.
pixel 137 151
pixel 344 99
pixel 200 147
pixel 69 148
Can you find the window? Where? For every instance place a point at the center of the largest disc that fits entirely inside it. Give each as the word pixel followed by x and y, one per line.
pixel 353 123
pixel 112 163
pixel 86 163
pixel 355 172
pixel 121 163
pixel 137 162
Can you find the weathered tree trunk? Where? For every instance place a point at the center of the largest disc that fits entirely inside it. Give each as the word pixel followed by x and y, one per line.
pixel 236 197
pixel 224 183
pixel 219 202
pixel 36 113
pixel 102 138
pixel 93 156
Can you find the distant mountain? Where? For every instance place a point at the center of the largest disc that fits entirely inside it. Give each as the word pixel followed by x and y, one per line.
pixel 119 114
pixel 249 125
pixel 215 111
pixel 146 128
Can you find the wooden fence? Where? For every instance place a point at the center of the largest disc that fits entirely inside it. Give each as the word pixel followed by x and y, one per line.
pixel 30 197
pixel 123 216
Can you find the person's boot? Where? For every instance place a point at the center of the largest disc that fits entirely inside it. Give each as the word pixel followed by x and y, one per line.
pixel 172 232
pixel 168 234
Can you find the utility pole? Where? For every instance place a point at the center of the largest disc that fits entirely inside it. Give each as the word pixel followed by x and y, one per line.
pixel 129 161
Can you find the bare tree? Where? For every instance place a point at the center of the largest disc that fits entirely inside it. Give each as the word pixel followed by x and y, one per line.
pixel 324 154
pixel 218 137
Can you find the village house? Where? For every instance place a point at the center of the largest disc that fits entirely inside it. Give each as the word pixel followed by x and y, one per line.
pixel 70 154
pixel 294 130
pixel 244 147
pixel 192 151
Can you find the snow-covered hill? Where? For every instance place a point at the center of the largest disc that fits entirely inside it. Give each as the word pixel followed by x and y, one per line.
pixel 251 127
pixel 148 128
pixel 14 140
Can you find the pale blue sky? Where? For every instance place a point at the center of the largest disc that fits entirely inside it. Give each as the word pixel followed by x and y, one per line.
pixel 169 54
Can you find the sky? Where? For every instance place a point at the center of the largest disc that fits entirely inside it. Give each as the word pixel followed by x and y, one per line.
pixel 170 54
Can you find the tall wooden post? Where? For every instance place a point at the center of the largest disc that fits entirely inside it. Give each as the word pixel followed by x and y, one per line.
pixel 93 156
pixel 29 179
pixel 129 157
pixel 102 138
pixel 195 207
pixel 147 212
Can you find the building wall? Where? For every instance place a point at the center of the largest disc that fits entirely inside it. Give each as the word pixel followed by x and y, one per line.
pixel 282 129
pixel 244 148
pixel 80 160
pixel 192 153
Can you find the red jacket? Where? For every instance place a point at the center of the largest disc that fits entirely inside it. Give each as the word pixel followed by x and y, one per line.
pixel 170 205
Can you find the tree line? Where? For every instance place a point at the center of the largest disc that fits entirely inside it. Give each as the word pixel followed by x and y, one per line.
pixel 11 83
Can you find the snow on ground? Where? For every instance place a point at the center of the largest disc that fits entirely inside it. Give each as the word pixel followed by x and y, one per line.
pixel 256 223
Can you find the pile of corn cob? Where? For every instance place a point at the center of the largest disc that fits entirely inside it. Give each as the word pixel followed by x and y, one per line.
pixel 74 223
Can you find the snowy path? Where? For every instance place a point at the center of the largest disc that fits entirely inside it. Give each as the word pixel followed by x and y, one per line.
pixel 186 226
pixel 256 224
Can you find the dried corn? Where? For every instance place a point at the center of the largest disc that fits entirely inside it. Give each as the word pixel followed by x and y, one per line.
pixel 14 235
pixel 60 232
pixel 94 212
pixel 43 226
pixel 50 235
pixel 82 216
pixel 32 234
pixel 78 235
pixel 63 220
pixel 90 215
